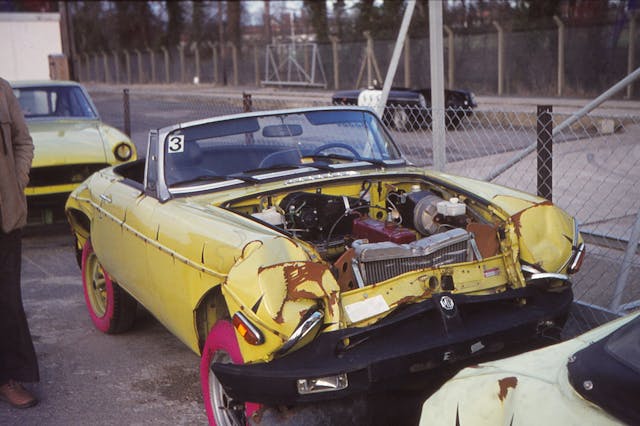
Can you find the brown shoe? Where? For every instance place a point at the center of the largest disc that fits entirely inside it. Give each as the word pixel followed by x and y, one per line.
pixel 16 395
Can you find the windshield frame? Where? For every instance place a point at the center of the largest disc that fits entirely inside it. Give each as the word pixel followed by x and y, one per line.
pixel 388 153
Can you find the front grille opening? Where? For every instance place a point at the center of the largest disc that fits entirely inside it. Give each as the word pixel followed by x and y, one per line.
pixel 62 175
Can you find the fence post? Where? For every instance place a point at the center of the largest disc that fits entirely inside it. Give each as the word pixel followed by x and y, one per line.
pixel 140 73
pixel 450 57
pixel 181 51
pixel 196 51
pixel 234 60
pixel 96 66
pixel 560 25
pixel 632 48
pixel 500 56
pixel 256 65
pixel 152 59
pixel 127 112
pixel 105 64
pixel 214 57
pixel 87 66
pixel 247 103
pixel 336 63
pixel 127 61
pixel 407 62
pixel 166 64
pixel 545 151
pixel 116 60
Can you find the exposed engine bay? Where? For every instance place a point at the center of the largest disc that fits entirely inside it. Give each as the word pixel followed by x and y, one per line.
pixel 376 230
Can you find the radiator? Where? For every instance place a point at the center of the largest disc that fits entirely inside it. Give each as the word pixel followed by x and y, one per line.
pixel 376 262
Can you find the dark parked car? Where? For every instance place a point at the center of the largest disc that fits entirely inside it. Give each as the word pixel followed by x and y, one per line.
pixel 410 109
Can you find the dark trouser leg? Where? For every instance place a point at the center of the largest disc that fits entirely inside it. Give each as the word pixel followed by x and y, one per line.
pixel 17 356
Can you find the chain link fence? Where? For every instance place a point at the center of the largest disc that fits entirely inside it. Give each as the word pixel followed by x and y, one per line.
pixel 594 172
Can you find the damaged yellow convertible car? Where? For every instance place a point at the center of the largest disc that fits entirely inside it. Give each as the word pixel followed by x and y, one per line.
pixel 304 258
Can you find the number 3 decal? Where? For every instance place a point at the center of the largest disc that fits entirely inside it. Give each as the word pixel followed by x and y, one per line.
pixel 176 144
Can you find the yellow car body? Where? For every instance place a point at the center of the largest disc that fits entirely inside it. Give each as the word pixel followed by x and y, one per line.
pixel 575 381
pixel 69 139
pixel 275 249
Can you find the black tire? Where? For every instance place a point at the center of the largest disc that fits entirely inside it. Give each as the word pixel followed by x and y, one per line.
pixel 111 309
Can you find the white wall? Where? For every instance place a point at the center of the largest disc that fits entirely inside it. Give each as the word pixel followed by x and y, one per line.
pixel 26 41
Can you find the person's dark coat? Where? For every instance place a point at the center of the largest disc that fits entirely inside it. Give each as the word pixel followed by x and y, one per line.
pixel 16 153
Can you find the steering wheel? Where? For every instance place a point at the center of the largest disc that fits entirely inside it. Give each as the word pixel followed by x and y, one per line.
pixel 337 145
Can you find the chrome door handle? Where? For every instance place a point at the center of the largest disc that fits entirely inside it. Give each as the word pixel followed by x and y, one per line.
pixel 105 198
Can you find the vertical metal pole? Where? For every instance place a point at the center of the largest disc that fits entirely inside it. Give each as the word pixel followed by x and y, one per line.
pixel 407 62
pixel 500 57
pixel 437 84
pixel 127 112
pixel 450 58
pixel 560 25
pixel 369 56
pixel 632 49
pixel 545 151
pixel 395 58
pixel 336 64
pixel 314 53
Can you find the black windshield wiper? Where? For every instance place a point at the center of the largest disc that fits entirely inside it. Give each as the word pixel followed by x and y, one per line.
pixel 332 157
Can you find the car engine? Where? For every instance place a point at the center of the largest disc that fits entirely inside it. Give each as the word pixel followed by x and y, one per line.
pixel 414 230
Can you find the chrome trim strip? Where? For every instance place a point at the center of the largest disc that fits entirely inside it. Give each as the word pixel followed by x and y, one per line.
pixel 349 165
pixel 530 269
pixel 216 185
pixel 577 258
pixel 302 331
pixel 177 256
pixel 548 275
pixel 284 173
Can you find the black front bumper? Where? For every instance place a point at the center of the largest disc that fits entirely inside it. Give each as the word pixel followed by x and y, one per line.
pixel 407 343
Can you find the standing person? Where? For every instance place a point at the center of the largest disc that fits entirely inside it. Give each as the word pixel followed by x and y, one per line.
pixel 18 362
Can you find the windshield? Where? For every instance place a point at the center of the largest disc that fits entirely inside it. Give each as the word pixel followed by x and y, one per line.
pixel 54 101
pixel 245 146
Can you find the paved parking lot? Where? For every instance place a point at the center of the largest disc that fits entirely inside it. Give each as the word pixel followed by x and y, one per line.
pixel 145 376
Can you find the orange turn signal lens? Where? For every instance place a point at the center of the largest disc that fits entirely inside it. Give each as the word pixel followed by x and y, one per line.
pixel 247 330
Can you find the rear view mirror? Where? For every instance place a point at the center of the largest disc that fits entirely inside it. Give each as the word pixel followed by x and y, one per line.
pixel 281 130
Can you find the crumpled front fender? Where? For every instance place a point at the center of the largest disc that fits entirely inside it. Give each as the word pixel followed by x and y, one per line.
pixel 275 285
pixel 547 236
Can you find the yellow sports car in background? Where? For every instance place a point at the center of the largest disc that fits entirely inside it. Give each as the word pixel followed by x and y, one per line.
pixel 70 141
pixel 304 259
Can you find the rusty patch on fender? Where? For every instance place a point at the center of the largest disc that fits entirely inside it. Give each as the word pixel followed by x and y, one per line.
pixel 301 273
pixel 505 384
pixel 516 217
